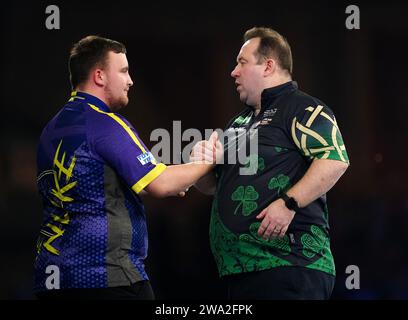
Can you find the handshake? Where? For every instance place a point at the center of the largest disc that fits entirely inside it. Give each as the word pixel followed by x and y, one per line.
pixel 208 151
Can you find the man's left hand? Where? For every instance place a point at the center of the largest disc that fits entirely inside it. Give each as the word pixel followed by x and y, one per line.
pixel 276 219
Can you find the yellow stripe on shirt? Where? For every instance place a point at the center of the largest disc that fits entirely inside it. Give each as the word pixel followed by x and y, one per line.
pixel 122 123
pixel 153 174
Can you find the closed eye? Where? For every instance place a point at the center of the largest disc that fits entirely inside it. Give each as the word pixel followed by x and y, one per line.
pixel 242 61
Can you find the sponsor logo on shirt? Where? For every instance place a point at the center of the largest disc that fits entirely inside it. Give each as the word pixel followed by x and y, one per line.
pixel 145 158
pixel 267 116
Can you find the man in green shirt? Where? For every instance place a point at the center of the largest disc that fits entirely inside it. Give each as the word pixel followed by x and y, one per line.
pixel 269 231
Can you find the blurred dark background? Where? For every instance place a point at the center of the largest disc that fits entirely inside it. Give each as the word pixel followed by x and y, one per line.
pixel 181 56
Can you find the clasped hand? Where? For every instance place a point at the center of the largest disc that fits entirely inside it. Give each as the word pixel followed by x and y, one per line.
pixel 208 151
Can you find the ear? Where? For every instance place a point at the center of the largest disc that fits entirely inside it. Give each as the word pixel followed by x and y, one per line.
pixel 99 77
pixel 270 67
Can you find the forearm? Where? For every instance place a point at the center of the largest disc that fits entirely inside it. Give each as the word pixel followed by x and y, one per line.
pixel 177 178
pixel 206 184
pixel 321 176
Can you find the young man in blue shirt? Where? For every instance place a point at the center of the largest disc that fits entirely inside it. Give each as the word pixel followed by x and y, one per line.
pixel 91 168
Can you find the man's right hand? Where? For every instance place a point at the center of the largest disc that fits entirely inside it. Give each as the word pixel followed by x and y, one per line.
pixel 208 151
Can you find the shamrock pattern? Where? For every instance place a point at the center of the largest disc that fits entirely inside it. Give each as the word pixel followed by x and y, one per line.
pixel 281 183
pixel 253 158
pixel 280 149
pixel 313 244
pixel 236 253
pixel 280 244
pixel 317 244
pixel 246 197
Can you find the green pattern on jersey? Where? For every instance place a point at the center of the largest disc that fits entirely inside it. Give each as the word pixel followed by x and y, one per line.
pixel 246 197
pixel 241 120
pixel 318 135
pixel 317 243
pixel 280 244
pixel 280 149
pixel 244 253
pixel 253 158
pixel 281 183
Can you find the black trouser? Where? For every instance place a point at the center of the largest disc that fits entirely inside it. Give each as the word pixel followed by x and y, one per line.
pixel 141 290
pixel 281 283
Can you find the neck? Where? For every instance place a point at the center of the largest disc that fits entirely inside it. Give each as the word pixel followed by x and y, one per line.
pixel 95 91
pixel 275 81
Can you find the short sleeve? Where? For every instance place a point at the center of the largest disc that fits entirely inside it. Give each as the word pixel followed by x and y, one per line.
pixel 316 133
pixel 118 144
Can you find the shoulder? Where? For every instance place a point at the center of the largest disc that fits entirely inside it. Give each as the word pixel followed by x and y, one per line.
pixel 103 118
pixel 108 126
pixel 300 100
pixel 299 103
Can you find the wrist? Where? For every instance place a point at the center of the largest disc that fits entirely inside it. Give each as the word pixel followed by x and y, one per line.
pixel 290 202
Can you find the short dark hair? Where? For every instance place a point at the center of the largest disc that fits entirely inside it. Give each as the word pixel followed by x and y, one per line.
pixel 87 53
pixel 271 45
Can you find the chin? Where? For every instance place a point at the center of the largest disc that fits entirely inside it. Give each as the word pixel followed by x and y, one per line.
pixel 245 100
pixel 119 104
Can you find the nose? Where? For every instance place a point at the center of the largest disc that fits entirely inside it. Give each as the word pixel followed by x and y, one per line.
pixel 235 72
pixel 130 82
